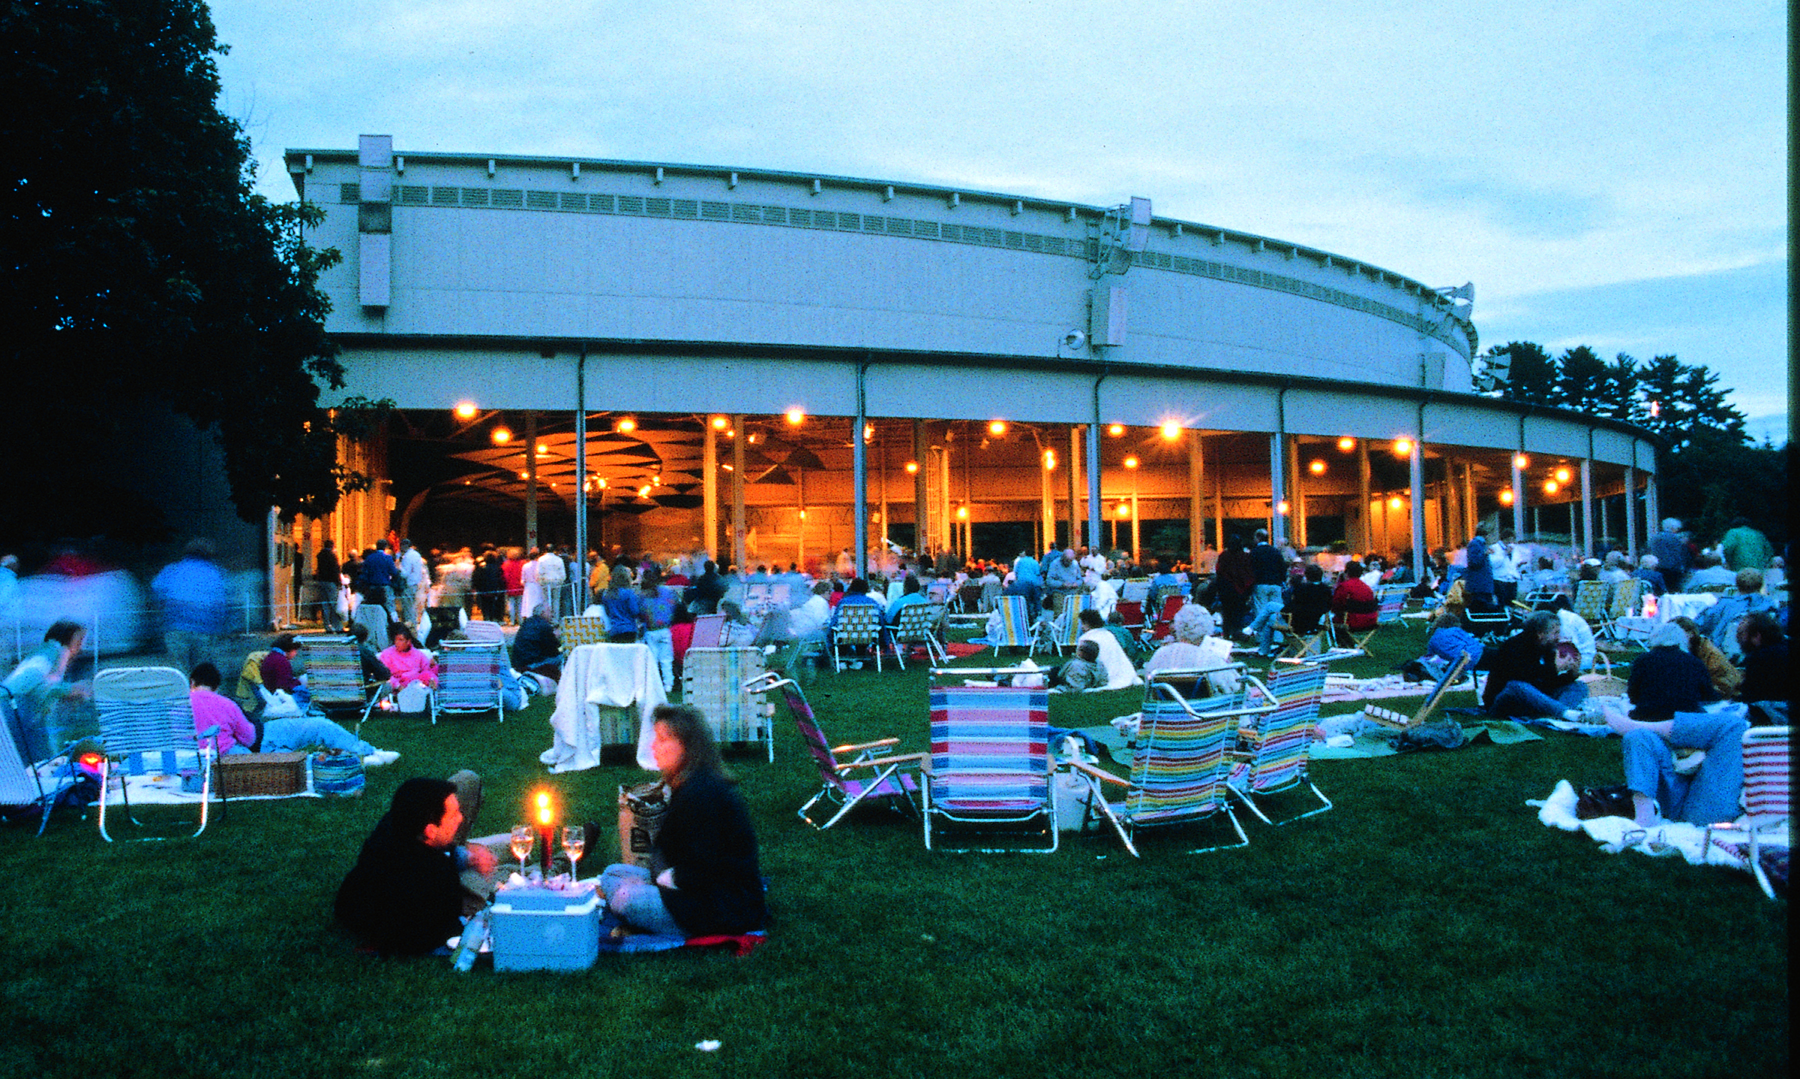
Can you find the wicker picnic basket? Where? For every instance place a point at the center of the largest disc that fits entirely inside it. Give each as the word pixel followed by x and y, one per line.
pixel 243 775
pixel 1604 683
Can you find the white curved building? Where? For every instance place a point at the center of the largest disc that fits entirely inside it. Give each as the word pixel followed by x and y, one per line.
pixel 1182 374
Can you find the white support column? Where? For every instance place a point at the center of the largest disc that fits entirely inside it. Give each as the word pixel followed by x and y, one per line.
pixel 1417 468
pixel 1277 490
pixel 1587 507
pixel 1196 503
pixel 1518 493
pixel 1631 530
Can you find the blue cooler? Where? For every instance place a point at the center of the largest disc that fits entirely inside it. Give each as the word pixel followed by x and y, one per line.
pixel 545 929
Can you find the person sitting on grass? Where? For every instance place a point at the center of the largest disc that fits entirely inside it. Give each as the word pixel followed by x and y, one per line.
pixel 1658 790
pixel 408 665
pixel 704 878
pixel 407 895
pixel 289 734
pixel 1768 680
pixel 278 670
pixel 535 648
pixel 1530 679
pixel 1120 672
pixel 1081 673
pixel 1448 641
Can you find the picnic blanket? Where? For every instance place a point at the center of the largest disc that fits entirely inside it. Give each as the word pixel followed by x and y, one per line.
pixel 1367 739
pixel 1615 835
pixel 167 789
pixel 1388 685
pixel 630 943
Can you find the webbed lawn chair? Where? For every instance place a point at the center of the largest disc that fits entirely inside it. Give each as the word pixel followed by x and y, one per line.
pixel 1136 590
pixel 1015 623
pixel 1178 765
pixel 334 677
pixel 1063 632
pixel 1433 699
pixel 471 678
pixel 1492 627
pixel 25 785
pixel 1274 750
pixel 857 626
pixel 1590 601
pixel 990 760
pixel 718 682
pixel 147 728
pixel 850 775
pixel 480 632
pixel 1131 616
pixel 444 622
pixel 918 626
pixel 1627 598
pixel 579 629
pixel 1768 797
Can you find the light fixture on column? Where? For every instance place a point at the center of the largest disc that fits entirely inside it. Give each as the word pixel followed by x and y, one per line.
pixel 719 423
pixel 796 416
pixel 1506 496
pixel 1131 462
pixel 1563 475
pixel 1123 511
pixel 1396 503
pixel 1281 507
pixel 1114 430
pixel 1171 431
pixel 1346 444
pixel 465 410
pixel 501 435
pixel 1521 462
pixel 1403 447
pixel 1316 467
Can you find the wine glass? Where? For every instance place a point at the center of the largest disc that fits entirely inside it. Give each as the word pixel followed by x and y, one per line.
pixel 523 839
pixel 574 839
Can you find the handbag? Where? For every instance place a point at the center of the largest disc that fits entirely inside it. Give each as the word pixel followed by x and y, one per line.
pixel 1595 802
pixel 641 812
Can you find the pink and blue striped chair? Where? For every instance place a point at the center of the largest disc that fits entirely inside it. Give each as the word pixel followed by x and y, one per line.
pixel 1274 751
pixel 990 762
pixel 1178 766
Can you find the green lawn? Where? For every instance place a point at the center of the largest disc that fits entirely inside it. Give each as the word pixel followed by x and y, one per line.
pixel 1428 926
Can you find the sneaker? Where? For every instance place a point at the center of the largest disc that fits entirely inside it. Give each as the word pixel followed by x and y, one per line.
pixel 381 758
pixel 1573 715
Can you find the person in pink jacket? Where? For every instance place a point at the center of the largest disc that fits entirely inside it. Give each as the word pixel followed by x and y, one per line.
pixel 407 663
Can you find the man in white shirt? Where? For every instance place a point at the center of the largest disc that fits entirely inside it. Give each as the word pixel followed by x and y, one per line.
pixel 417 578
pixel 1503 560
pixel 553 579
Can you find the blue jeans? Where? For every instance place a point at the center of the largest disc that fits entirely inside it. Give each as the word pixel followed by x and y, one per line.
pixel 1708 796
pixel 1527 700
pixel 632 894
pixel 662 644
pixel 290 735
pixel 1267 601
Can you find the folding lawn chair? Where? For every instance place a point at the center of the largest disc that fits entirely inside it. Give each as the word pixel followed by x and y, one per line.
pixel 1015 623
pixel 1590 601
pixel 580 629
pixel 1178 764
pixel 858 626
pixel 1136 590
pixel 1275 748
pixel 479 632
pixel 1390 602
pixel 917 626
pixel 147 728
pixel 1063 632
pixel 1627 598
pixel 1491 626
pixel 872 776
pixel 968 599
pixel 990 760
pixel 1167 607
pixel 444 622
pixel 23 784
pixel 1436 697
pixel 1131 616
pixel 718 682
pixel 471 678
pixel 709 630
pixel 1768 797
pixel 334 677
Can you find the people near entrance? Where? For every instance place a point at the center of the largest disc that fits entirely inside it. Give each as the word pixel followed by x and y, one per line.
pixel 1478 573
pixel 407 893
pixel 1269 572
pixel 1529 678
pixel 704 877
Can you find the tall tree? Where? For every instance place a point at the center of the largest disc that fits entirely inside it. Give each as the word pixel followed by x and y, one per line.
pixel 1533 373
pixel 139 267
pixel 1682 399
pixel 1581 382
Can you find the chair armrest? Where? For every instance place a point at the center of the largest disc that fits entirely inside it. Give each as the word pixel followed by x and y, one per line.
pixel 864 745
pixel 903 758
pixel 1098 773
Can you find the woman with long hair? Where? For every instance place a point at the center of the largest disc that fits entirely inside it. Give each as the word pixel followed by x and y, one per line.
pixel 703 878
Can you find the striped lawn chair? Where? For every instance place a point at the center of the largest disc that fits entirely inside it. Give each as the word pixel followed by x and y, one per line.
pixel 1768 797
pixel 1015 623
pixel 579 629
pixel 334 677
pixel 471 678
pixel 1178 766
pixel 1274 750
pixel 1590 601
pixel 918 626
pixel 1389 603
pixel 869 774
pixel 484 632
pixel 990 761
pixel 147 728
pixel 718 682
pixel 858 626
pixel 1063 632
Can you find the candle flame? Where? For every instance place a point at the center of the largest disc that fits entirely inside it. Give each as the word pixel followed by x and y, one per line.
pixel 543 808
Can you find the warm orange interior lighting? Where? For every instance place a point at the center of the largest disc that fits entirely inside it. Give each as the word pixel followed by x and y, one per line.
pixel 719 423
pixel 465 410
pixel 997 428
pixel 1131 462
pixel 1115 430
pixel 1346 444
pixel 796 416
pixel 1403 447
pixel 1506 497
pixel 1396 502
pixel 1171 431
pixel 1563 475
pixel 501 435
pixel 1317 468
pixel 912 467
pixel 1551 487
pixel 626 425
pixel 1521 462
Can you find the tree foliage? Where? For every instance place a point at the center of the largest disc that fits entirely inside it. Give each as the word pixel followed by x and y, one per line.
pixel 141 267
pixel 1676 401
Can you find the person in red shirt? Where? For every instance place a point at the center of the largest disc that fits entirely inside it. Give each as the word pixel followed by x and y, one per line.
pixel 1353 602
pixel 513 570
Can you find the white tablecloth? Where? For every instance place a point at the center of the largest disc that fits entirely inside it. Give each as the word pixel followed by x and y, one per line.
pixel 616 675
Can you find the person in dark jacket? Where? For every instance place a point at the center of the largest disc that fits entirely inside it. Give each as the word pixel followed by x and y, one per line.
pixel 536 648
pixel 1528 678
pixel 1234 577
pixel 1768 681
pixel 405 895
pixel 1666 679
pixel 703 596
pixel 704 878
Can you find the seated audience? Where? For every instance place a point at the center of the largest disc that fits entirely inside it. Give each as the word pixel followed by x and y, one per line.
pixel 535 647
pixel 407 663
pixel 1529 679
pixel 236 734
pixel 1666 680
pixel 406 895
pixel 1119 670
pixel 1708 573
pixel 1311 601
pixel 1353 602
pixel 910 596
pixel 1651 576
pixel 1658 791
pixel 278 670
pixel 1448 641
pixel 1719 622
pixel 1725 678
pixel 1768 681
pixel 704 877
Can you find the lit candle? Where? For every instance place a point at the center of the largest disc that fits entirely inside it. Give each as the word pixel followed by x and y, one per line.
pixel 546 820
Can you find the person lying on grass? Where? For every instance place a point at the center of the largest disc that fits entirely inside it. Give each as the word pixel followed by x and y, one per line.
pixel 406 895
pixel 704 878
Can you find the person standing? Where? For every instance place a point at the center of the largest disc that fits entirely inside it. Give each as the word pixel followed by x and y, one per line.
pixel 1503 562
pixel 1233 579
pixel 1478 573
pixel 1269 570
pixel 1670 546
pixel 328 581
pixel 1743 547
pixel 417 581
pixel 195 612
pixel 553 578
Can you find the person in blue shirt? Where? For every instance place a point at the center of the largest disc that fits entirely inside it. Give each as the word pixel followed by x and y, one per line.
pixel 623 607
pixel 1449 640
pixel 910 596
pixel 195 607
pixel 1478 573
